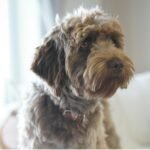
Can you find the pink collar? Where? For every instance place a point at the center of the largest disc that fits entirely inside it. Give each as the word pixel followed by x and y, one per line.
pixel 69 115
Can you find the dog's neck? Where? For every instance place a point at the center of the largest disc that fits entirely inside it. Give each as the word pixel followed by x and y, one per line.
pixel 69 99
pixel 72 106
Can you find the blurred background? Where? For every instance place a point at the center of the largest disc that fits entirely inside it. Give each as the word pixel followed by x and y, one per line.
pixel 24 23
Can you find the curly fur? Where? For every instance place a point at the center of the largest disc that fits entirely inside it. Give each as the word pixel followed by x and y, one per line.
pixel 76 65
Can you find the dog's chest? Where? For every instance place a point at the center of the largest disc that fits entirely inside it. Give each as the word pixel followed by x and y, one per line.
pixel 52 130
pixel 71 134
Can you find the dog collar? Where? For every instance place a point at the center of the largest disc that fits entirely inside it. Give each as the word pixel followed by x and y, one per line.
pixel 69 115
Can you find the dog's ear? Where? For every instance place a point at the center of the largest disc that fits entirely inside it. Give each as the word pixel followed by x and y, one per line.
pixel 49 61
pixel 112 30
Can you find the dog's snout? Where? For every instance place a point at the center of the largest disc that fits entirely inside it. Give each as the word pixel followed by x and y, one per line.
pixel 115 64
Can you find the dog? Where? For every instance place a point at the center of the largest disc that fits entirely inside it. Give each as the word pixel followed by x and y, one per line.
pixel 80 64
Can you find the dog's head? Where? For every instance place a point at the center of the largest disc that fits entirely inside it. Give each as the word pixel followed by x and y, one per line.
pixel 85 51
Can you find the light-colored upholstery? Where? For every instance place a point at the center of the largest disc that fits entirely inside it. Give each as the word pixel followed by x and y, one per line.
pixel 131 112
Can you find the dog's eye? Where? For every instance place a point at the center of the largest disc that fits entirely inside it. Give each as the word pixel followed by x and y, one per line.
pixel 86 43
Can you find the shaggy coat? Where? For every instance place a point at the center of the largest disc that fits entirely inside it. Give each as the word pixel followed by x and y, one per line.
pixel 80 63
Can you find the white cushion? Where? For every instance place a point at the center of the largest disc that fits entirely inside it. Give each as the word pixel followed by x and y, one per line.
pixel 131 112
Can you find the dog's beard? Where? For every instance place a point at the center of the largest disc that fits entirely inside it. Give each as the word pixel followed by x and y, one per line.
pixel 99 80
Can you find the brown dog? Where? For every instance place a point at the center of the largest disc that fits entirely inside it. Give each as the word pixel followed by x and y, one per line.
pixel 82 62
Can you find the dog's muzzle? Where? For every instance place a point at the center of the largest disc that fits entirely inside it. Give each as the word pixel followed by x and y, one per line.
pixel 106 71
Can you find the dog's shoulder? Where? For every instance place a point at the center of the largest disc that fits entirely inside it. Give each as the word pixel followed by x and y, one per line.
pixel 39 95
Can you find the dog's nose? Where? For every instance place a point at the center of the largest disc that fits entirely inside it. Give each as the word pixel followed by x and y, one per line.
pixel 115 64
